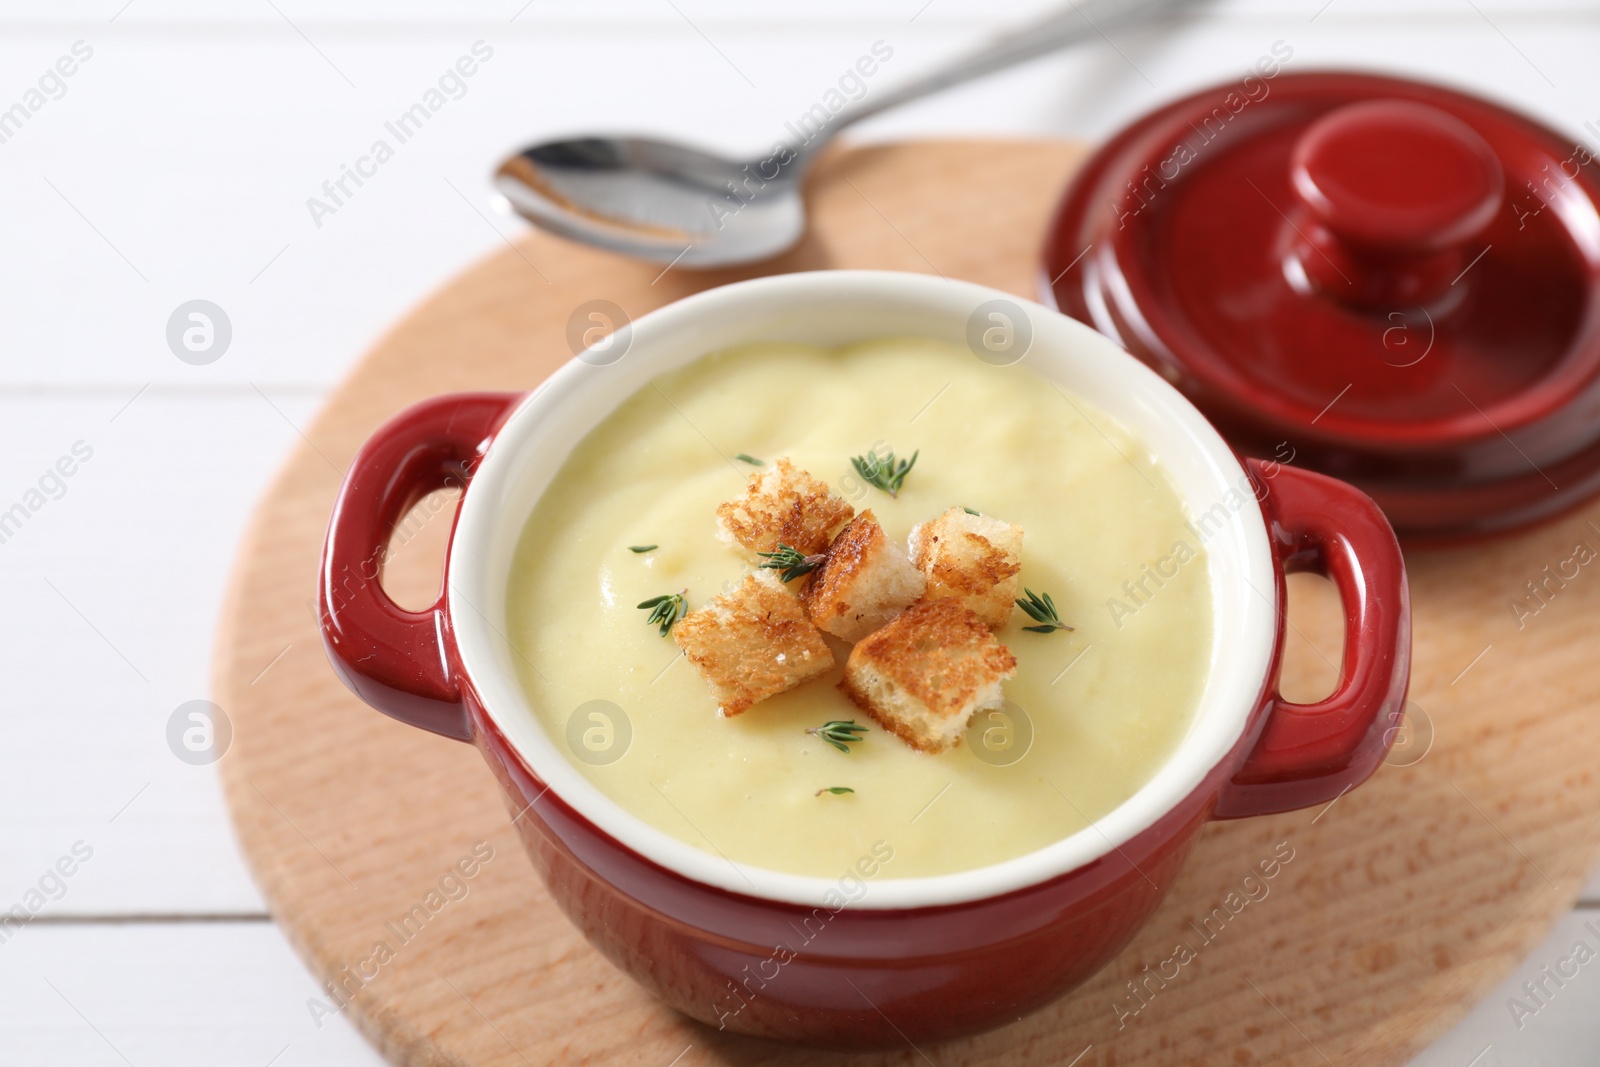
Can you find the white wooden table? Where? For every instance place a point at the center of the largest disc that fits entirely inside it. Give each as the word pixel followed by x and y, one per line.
pixel 175 163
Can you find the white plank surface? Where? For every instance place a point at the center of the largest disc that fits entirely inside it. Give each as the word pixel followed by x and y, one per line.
pixel 197 994
pixel 177 165
pixel 122 579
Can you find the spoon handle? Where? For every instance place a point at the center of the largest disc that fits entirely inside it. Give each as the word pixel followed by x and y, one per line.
pixel 1080 21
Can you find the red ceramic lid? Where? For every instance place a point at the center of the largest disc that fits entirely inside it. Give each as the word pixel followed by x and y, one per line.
pixel 1390 282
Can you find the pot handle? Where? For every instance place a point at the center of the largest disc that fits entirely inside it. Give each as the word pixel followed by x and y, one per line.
pixel 1312 753
pixel 394 659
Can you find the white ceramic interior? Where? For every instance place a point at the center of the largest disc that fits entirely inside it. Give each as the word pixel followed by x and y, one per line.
pixel 832 308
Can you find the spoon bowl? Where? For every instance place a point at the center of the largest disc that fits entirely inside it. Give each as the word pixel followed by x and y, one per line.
pixel 657 200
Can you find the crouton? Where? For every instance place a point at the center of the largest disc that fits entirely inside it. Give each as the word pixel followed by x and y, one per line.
pixel 783 505
pixel 924 675
pixel 973 557
pixel 865 580
pixel 752 643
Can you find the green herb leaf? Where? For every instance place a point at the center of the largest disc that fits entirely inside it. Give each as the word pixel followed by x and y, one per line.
pixel 666 609
pixel 791 562
pixel 643 548
pixel 839 734
pixel 745 457
pixel 968 510
pixel 1041 609
pixel 882 471
pixel 836 790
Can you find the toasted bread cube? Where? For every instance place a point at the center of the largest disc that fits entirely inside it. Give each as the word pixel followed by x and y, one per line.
pixel 973 557
pixel 783 505
pixel 752 643
pixel 924 675
pixel 865 580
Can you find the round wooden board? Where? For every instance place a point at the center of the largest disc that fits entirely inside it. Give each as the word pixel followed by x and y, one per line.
pixel 1404 901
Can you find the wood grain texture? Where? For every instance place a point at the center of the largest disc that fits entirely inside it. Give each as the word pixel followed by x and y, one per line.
pixel 1404 901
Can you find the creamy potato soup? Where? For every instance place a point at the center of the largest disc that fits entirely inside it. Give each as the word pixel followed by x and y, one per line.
pixel 1090 713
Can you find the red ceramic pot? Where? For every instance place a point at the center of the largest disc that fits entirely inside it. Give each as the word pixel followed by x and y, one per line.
pixel 815 960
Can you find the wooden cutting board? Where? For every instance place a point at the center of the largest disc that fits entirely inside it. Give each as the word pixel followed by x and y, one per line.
pixel 1404 901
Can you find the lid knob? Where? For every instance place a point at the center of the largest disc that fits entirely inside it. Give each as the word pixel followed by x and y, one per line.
pixel 1395 191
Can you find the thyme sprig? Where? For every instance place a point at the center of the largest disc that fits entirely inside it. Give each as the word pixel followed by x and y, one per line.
pixel 745 457
pixel 883 471
pixel 1041 609
pixel 790 562
pixel 640 549
pixel 839 734
pixel 666 609
pixel 836 790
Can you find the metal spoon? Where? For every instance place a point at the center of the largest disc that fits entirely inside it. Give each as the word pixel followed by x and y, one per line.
pixel 673 203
